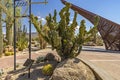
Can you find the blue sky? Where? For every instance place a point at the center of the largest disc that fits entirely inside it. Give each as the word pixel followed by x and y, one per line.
pixel 109 9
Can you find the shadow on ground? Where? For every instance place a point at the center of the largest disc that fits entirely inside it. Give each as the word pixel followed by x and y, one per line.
pixel 36 73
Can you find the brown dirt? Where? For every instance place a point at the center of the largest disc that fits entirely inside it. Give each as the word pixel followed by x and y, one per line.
pixel 109 61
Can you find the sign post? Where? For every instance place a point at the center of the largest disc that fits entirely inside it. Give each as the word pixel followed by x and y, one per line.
pixel 18 4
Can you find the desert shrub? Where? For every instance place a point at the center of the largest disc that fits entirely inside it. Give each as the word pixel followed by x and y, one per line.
pixel 1 72
pixel 47 69
pixel 17 65
pixel 9 53
pixel 40 59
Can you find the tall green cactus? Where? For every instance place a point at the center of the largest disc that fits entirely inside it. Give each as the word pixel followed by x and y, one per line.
pixel 94 31
pixel 1 34
pixel 62 35
pixel 22 41
pixel 9 22
pixel 9 25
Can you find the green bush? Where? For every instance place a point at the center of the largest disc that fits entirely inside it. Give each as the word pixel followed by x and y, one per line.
pixel 40 59
pixel 9 53
pixel 47 69
pixel 1 72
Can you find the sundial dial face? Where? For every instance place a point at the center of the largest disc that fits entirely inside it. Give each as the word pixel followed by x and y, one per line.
pixel 24 4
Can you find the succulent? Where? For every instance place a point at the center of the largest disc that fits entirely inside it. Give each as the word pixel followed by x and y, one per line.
pixel 22 41
pixel 40 59
pixel 1 72
pixel 47 69
pixel 62 35
pixel 9 53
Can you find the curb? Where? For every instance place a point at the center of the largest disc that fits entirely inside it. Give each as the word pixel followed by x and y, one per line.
pixel 99 73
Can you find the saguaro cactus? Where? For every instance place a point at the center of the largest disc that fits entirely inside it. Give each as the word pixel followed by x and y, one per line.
pixel 62 35
pixel 9 24
pixel 22 41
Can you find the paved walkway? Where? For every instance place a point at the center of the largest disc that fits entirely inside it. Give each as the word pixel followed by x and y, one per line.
pixel 7 62
pixel 109 61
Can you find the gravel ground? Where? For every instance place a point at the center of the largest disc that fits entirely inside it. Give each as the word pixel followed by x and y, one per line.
pixel 107 60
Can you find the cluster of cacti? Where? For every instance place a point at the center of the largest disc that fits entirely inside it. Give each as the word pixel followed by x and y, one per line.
pixel 47 69
pixel 22 41
pixel 44 29
pixel 40 59
pixel 9 53
pixel 94 31
pixel 62 35
pixel 9 24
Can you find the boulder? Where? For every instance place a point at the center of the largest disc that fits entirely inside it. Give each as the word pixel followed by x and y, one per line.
pixel 72 69
pixel 9 48
pixel 52 57
pixel 8 77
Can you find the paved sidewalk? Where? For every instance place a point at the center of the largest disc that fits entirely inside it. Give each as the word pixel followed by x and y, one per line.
pixel 107 60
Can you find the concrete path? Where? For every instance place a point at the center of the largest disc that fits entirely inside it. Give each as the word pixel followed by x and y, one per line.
pixel 107 60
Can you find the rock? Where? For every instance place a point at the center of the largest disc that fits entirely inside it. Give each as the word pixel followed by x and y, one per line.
pixel 8 77
pixel 72 69
pixel 8 49
pixel 52 57
pixel 5 50
pixel 1 72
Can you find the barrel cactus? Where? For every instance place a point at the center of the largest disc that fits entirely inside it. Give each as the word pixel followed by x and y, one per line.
pixel 47 69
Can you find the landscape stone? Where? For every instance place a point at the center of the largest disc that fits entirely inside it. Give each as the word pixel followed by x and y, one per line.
pixel 72 69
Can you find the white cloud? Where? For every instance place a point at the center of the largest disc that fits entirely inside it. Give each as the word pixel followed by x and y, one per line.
pixel 43 19
pixel 77 27
pixel 39 17
pixel 71 22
